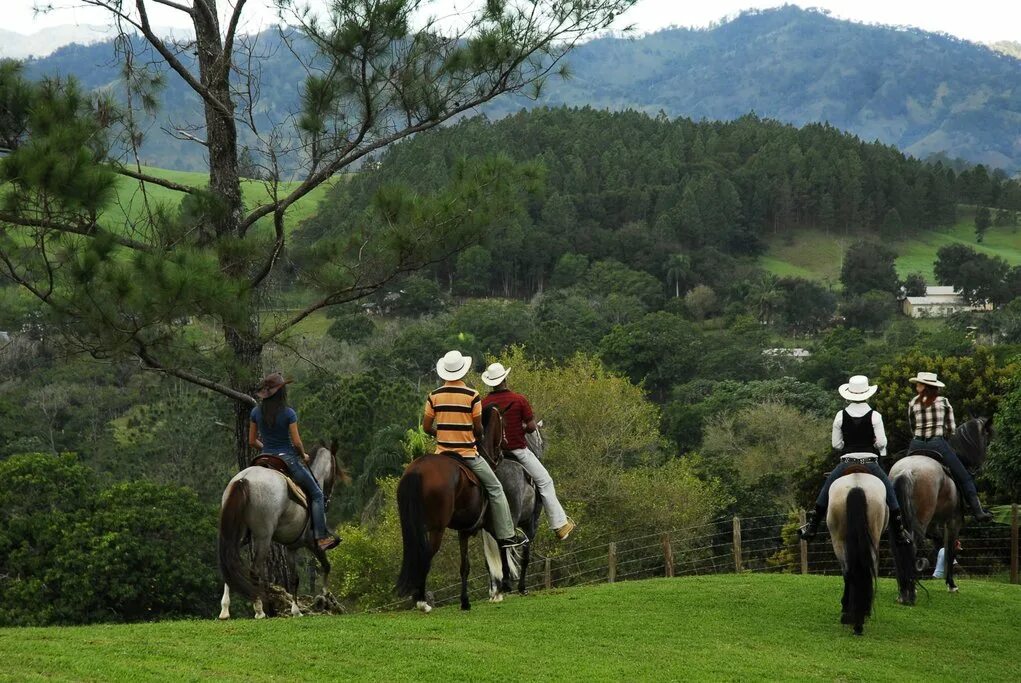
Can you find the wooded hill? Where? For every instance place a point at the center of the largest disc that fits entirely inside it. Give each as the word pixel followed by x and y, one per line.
pixel 923 92
pixel 637 189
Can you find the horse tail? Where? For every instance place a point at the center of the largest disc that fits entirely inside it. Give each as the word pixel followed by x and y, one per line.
pixel 904 555
pixel 417 555
pixel 232 531
pixel 859 560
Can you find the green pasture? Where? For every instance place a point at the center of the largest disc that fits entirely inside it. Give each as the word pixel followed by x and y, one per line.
pixel 130 203
pixel 818 255
pixel 725 627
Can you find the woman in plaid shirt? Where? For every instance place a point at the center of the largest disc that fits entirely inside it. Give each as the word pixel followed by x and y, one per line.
pixel 932 422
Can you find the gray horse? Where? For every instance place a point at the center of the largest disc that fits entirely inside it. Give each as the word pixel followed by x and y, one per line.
pixel 526 506
pixel 258 503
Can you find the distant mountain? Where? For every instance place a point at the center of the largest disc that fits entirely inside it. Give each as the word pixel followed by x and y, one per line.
pixel 923 92
pixel 46 41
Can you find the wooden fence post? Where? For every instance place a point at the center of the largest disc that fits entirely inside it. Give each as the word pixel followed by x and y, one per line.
pixel 611 574
pixel 668 556
pixel 1013 544
pixel 547 574
pixel 737 543
pixel 803 520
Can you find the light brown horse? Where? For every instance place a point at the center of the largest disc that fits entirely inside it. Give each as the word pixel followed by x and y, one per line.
pixel 856 518
pixel 930 500
pixel 435 494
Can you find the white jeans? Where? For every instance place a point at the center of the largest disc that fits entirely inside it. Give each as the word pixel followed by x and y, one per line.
pixel 554 510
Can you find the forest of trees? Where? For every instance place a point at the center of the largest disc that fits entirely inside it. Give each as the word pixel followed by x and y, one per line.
pixel 642 190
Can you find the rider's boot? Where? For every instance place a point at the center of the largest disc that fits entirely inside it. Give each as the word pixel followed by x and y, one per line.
pixel 900 534
pixel 518 539
pixel 808 532
pixel 980 514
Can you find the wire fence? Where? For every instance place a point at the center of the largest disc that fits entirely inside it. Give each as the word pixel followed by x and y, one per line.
pixel 766 543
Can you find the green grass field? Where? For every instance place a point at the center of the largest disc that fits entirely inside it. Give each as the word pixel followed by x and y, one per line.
pixel 745 627
pixel 130 203
pixel 818 255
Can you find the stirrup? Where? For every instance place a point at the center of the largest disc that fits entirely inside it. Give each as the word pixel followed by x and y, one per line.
pixel 806 534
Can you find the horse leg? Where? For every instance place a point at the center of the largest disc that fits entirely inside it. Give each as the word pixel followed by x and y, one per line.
pixel 324 566
pixel 494 563
pixel 260 553
pixel 292 571
pixel 225 603
pixel 462 537
pixel 950 554
pixel 435 539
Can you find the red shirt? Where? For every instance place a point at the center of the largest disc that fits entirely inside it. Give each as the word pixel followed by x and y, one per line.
pixel 516 412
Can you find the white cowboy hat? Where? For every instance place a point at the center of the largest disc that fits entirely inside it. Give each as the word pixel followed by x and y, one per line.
pixel 857 389
pixel 453 366
pixel 927 378
pixel 495 374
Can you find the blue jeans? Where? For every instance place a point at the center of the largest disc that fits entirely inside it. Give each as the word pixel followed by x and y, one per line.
pixel 824 496
pixel 303 477
pixel 961 475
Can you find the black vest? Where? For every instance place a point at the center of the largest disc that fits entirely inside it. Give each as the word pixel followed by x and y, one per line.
pixel 859 435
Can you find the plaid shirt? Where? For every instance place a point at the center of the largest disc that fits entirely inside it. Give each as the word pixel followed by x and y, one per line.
pixel 936 419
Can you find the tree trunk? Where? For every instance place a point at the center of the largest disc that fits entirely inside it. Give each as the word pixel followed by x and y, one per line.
pixel 225 184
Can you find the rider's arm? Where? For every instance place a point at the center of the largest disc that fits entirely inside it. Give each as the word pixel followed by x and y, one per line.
pixel 949 424
pixel 296 440
pixel 837 437
pixel 477 418
pixel 427 418
pixel 527 416
pixel 253 436
pixel 880 430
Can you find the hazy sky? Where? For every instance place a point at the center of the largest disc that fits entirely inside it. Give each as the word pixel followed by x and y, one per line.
pixel 979 20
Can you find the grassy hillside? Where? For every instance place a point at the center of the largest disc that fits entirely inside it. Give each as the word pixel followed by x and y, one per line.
pixel 130 202
pixel 818 255
pixel 747 627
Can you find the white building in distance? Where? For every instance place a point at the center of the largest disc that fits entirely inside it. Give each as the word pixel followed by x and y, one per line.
pixel 939 302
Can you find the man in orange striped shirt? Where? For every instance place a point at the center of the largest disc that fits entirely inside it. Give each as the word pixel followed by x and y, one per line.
pixel 453 414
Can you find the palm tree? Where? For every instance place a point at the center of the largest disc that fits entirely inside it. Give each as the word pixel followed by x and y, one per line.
pixel 766 297
pixel 678 268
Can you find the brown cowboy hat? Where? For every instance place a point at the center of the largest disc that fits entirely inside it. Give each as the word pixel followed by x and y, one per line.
pixel 271 385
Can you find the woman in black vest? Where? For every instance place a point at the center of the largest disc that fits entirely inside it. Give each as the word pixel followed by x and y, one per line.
pixel 858 431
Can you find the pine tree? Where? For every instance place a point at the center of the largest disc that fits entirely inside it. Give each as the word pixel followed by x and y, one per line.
pixel 122 290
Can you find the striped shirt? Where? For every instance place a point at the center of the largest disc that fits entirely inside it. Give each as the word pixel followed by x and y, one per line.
pixel 935 419
pixel 453 409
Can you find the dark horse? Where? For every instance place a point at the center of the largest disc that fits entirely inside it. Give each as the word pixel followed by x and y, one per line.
pixel 435 494
pixel 525 506
pixel 929 499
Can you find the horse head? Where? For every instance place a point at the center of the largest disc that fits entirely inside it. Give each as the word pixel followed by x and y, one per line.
pixel 971 441
pixel 492 435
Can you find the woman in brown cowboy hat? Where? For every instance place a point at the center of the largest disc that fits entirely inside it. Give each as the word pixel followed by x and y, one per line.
pixel 274 431
pixel 860 438
pixel 932 422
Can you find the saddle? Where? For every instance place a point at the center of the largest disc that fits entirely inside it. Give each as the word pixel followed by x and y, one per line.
pixel 509 455
pixel 274 462
pixel 935 455
pixel 465 470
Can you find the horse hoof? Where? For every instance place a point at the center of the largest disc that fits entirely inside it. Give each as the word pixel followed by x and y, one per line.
pixel 465 607
pixel 952 589
pixel 523 591
pixel 424 606
pixel 496 598
pixel 260 615
pixel 224 616
pixel 858 631
pixel 846 619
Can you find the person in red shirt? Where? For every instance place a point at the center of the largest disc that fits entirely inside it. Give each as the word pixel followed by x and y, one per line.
pixel 518 420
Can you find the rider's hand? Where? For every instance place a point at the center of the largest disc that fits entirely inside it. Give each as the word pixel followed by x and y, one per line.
pixel 304 456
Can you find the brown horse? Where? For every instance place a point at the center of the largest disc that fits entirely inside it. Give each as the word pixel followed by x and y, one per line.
pixel 929 499
pixel 435 494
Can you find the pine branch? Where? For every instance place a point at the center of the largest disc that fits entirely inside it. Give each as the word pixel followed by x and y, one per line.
pixel 162 182
pixel 85 230
pixel 152 363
